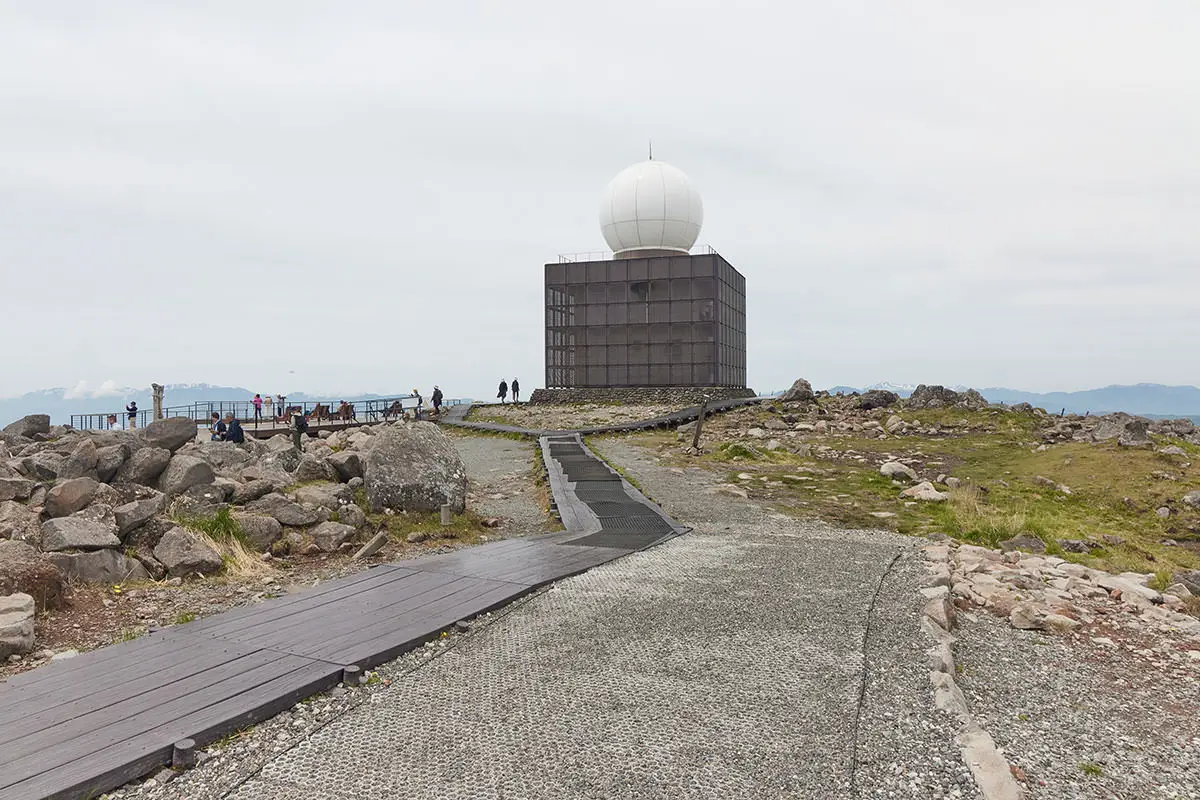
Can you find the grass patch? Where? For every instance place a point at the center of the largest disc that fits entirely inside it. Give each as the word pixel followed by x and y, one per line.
pixel 1114 490
pixel 227 538
pixel 1091 769
pixel 220 527
pixel 1161 580
pixel 129 634
pixel 184 617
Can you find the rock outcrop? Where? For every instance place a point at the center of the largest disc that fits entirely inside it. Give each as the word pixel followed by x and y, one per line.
pixel 414 468
pixel 801 391
pixel 16 625
pixel 184 553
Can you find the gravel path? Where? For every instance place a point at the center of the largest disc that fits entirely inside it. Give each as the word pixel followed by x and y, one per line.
pixel 725 663
pixel 1084 719
pixel 501 475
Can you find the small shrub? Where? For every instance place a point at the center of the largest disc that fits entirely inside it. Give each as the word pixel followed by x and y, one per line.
pixel 1091 769
pixel 1161 580
pixel 184 617
pixel 733 450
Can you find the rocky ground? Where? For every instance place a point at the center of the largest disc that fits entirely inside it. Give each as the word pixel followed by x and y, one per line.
pixel 566 417
pixel 502 491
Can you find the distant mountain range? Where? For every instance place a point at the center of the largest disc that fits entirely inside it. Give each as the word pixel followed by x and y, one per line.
pixel 1152 400
pixel 61 403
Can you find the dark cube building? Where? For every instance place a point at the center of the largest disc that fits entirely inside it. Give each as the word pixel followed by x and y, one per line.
pixel 645 319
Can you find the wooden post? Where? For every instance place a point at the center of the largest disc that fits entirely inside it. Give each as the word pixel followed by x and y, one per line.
pixel 447 519
pixel 699 423
pixel 183 754
pixel 352 675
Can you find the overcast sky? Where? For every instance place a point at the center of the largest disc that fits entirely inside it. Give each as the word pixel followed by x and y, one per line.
pixel 340 197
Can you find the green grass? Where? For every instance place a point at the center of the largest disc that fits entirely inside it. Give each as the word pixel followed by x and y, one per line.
pixel 1114 490
pixel 221 527
pixel 1090 769
pixel 184 617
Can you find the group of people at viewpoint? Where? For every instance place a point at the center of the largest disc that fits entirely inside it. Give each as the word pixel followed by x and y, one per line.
pixel 504 389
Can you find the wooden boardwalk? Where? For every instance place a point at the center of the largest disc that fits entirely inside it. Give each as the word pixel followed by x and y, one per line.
pixel 77 728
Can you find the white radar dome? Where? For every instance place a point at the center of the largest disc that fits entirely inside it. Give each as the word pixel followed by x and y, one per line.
pixel 650 206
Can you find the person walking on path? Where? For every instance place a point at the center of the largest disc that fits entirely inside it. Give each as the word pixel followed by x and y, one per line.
pixel 132 410
pixel 219 431
pixel 503 390
pixel 516 391
pixel 257 409
pixel 299 428
pixel 436 398
pixel 234 430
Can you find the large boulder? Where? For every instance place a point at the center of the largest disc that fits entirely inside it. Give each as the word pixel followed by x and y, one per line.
pixel 30 427
pixel 134 515
pixel 184 472
pixel 15 489
pixel 76 533
pixel 932 397
pixel 81 463
pixel 925 491
pixel 414 468
pixel 109 460
pixel 877 398
pixel 16 625
pixel 17 520
pixel 1191 499
pixel 24 569
pixel 284 510
pixel 800 392
pixel 330 495
pixel 171 434
pixel 347 464
pixel 44 466
pixel 145 466
pixel 897 471
pixel 66 498
pixel 258 530
pixel 100 566
pixel 314 468
pixel 329 536
pixel 249 492
pixel 184 553
pixel 226 458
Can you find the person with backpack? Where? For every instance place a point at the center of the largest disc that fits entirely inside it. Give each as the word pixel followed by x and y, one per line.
pixel 516 391
pixel 234 431
pixel 299 428
pixel 420 404
pixel 436 398
pixel 503 393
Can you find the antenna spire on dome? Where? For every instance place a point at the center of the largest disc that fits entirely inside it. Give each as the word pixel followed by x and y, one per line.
pixel 651 143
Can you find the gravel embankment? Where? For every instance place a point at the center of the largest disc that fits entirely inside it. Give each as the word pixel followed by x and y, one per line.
pixel 1083 717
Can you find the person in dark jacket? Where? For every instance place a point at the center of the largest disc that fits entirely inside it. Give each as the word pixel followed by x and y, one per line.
pixel 436 399
pixel 219 431
pixel 233 430
pixel 516 391
pixel 503 393
pixel 132 410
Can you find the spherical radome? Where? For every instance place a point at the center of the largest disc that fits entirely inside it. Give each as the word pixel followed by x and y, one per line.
pixel 650 206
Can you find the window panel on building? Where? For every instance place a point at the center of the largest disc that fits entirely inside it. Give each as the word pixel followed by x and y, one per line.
pixel 618 313
pixel 660 290
pixel 681 267
pixel 660 312
pixel 618 270
pixel 597 315
pixel 639 269
pixel 660 375
pixel 597 271
pixel 576 273
pixel 660 333
pixel 639 334
pixel 681 374
pixel 660 267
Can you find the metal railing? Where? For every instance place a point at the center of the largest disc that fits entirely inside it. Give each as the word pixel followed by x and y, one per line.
pixel 607 255
pixel 315 411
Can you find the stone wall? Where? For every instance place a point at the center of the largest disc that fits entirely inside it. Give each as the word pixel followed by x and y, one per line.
pixel 640 395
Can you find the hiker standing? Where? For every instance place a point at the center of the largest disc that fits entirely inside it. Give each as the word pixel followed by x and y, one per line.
pixel 516 391
pixel 436 399
pixel 299 428
pixel 503 390
pixel 257 408
pixel 420 403
pixel 281 404
pixel 132 410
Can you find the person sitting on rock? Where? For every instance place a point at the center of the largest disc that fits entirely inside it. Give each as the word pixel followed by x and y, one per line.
pixel 219 431
pixel 234 431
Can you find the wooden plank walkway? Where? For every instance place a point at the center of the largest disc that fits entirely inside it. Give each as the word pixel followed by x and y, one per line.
pixel 77 728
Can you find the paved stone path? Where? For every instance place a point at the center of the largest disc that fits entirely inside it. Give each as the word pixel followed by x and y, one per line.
pixel 725 663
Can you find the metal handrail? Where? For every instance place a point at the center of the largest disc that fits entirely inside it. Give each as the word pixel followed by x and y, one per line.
pixel 608 255
pixel 375 410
